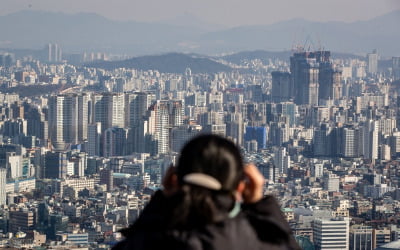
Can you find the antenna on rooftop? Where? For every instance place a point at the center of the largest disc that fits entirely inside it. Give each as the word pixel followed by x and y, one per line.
pixel 296 46
pixel 320 48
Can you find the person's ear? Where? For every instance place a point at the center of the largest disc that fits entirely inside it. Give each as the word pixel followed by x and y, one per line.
pixel 170 181
pixel 240 189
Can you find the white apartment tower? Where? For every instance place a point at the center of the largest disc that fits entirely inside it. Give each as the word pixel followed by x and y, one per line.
pixel 3 179
pixel 53 52
pixel 369 142
pixel 332 183
pixel 68 119
pixel 349 146
pixel 164 116
pixel 136 106
pixel 317 170
pixel 331 234
pixel 372 60
pixel 109 110
pixel 282 160
pixel 14 164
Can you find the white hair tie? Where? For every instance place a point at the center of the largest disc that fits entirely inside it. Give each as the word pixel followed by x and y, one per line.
pixel 202 180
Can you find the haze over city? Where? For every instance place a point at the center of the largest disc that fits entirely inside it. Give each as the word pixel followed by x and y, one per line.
pixel 228 13
pixel 206 27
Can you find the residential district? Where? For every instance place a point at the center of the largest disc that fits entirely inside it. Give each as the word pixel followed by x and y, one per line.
pixel 79 165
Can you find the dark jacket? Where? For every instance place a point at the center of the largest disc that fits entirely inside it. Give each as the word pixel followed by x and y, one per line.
pixel 258 226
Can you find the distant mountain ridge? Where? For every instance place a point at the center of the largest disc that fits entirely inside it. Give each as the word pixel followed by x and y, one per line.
pixel 178 62
pixel 167 63
pixel 91 32
pixel 357 37
pixel 87 31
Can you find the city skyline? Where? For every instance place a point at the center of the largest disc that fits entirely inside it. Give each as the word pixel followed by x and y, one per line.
pixel 94 108
pixel 80 159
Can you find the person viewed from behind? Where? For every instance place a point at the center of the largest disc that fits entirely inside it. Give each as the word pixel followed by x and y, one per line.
pixel 210 201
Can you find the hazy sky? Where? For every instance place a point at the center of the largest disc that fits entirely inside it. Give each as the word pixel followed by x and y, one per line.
pixel 225 12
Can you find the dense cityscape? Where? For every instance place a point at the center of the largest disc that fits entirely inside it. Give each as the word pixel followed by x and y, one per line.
pixel 81 158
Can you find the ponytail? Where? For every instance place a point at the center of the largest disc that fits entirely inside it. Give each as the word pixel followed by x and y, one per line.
pixel 209 171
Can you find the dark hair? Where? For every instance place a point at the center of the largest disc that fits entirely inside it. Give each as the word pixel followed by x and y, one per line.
pixel 215 156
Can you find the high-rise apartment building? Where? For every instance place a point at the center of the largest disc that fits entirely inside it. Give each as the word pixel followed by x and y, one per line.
pixel 330 79
pixel 258 134
pixel 106 177
pixel 36 123
pixel 278 133
pixel 394 141
pixel 182 134
pixel 330 86
pixel 22 220
pixel 55 165
pixel 331 182
pixel 68 119
pixel 319 115
pixel 288 109
pixel 115 142
pixel 3 179
pixel 217 129
pixel 235 127
pixel 369 139
pixel 380 237
pixel 347 141
pixel 109 110
pixel 317 170
pixel 281 160
pixel 163 116
pixel 396 67
pixel 361 238
pixel 94 139
pixel 372 60
pixel 53 52
pixel 15 127
pixel 282 88
pixel 330 234
pixel 304 68
pixel 14 165
pixel 314 77
pixel 136 106
pixel 322 140
pixel 6 60
pixel 211 117
pixel 337 87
